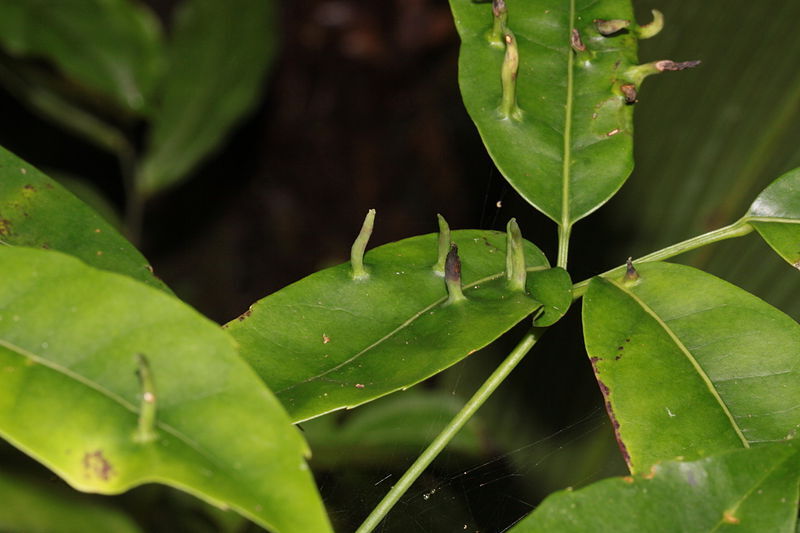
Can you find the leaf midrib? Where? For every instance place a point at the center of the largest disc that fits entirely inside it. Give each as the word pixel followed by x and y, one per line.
pixel 399 328
pixel 565 168
pixel 110 395
pixel 688 354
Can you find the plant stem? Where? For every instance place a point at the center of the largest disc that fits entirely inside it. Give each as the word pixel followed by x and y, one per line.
pixel 450 431
pixel 739 228
pixel 563 245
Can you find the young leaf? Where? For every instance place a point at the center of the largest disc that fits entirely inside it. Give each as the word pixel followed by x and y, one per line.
pixel 552 287
pixel 40 506
pixel 36 211
pixel 566 147
pixel 70 337
pixel 690 365
pixel 748 491
pixel 218 55
pixel 329 341
pixel 775 214
pixel 112 46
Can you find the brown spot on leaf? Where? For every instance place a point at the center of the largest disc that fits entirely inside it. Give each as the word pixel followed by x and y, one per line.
pixel 5 227
pixel 629 91
pixel 325 339
pixel 96 465
pixel 627 479
pixel 29 187
pixel 359 385
pixel 614 422
pixel 245 314
pixel 729 518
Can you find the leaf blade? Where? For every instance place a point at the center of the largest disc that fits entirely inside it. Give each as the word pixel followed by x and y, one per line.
pixel 112 46
pixel 749 490
pixel 693 359
pixel 320 342
pixel 68 340
pixel 36 211
pixel 572 148
pixel 775 214
pixel 218 56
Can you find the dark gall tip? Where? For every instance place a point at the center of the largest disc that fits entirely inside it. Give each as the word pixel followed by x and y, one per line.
pixel 499 8
pixel 576 42
pixel 668 64
pixel 452 265
pixel 629 92
pixel 630 271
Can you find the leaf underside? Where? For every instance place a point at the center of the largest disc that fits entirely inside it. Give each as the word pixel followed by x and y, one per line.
pixel 690 365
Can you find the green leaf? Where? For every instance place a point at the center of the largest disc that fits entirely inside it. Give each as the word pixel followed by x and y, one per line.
pixel 328 341
pixel 69 394
pixel 748 491
pixel 552 287
pixel 34 506
pixel 36 211
pixel 110 46
pixel 775 214
pixel 570 149
pixel 219 53
pixel 690 365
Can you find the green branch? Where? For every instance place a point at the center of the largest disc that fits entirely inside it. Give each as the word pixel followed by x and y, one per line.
pixel 739 228
pixel 450 431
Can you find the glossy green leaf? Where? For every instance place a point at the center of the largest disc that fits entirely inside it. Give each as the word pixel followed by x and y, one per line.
pixel 36 211
pixel 552 287
pixel 748 491
pixel 37 506
pixel 389 430
pixel 690 365
pixel 570 149
pixel 775 214
pixel 328 341
pixel 70 336
pixel 112 47
pixel 218 55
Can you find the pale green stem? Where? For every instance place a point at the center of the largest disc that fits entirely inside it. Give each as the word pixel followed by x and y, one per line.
pixel 360 245
pixel 444 245
pixel 450 431
pixel 739 228
pixel 563 246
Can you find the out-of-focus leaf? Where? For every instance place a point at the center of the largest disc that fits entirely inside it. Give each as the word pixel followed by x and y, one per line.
pixel 35 507
pixel 775 214
pixel 70 397
pixel 378 433
pixel 36 211
pixel 690 365
pixel 569 149
pixel 708 141
pixel 110 46
pixel 748 491
pixel 219 53
pixel 328 341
